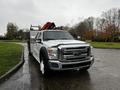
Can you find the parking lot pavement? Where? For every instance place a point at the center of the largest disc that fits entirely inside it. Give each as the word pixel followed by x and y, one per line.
pixel 103 75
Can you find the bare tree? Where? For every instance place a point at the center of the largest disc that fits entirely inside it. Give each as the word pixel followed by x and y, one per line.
pixel 89 23
pixel 109 24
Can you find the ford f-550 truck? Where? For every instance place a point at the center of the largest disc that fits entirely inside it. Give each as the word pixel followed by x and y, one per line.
pixel 58 50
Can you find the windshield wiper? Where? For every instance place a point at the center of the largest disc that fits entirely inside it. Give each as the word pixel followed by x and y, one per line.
pixel 64 38
pixel 49 39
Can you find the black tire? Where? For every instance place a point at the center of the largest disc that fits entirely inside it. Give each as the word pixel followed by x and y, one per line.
pixel 46 69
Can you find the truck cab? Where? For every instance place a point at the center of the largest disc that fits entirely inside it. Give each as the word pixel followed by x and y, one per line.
pixel 58 50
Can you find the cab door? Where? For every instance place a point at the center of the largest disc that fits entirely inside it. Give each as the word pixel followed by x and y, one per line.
pixel 37 46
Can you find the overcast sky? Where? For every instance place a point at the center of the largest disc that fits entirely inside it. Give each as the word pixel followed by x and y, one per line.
pixel 62 12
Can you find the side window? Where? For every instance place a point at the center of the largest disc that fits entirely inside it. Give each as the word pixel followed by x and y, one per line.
pixel 38 36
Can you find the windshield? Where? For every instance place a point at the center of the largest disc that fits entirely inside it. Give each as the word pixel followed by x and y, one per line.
pixel 57 35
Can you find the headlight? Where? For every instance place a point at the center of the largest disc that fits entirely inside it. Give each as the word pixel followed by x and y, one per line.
pixel 91 47
pixel 52 53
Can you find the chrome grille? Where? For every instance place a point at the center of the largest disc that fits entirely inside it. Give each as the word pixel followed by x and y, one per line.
pixel 75 53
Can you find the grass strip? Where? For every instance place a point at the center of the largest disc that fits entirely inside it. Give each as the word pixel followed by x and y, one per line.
pixel 10 55
pixel 113 45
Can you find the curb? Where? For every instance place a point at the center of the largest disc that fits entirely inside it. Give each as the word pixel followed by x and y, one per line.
pixel 13 70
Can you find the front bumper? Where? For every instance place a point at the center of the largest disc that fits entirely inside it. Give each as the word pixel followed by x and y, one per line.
pixel 58 65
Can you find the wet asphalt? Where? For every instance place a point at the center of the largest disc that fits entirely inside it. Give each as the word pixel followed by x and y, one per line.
pixel 103 75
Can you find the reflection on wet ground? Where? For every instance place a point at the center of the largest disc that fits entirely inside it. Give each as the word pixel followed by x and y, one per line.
pixel 103 75
pixel 60 80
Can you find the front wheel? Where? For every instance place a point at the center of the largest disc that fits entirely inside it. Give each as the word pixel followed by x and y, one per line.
pixel 43 66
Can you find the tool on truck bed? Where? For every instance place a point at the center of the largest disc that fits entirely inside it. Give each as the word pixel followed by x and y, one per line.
pixel 35 27
pixel 48 25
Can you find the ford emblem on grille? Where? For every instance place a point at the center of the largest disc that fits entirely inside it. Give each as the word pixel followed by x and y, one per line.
pixel 76 53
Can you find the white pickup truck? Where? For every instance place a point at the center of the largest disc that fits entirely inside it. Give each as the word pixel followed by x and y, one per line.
pixel 58 50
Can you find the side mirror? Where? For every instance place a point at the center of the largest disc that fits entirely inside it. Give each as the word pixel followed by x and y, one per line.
pixel 38 40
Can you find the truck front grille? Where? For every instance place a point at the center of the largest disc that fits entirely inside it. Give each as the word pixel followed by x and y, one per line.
pixel 75 53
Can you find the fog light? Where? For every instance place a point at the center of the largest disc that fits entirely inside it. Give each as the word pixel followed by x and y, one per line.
pixel 54 65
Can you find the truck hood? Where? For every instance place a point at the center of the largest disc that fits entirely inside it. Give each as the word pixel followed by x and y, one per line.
pixel 52 43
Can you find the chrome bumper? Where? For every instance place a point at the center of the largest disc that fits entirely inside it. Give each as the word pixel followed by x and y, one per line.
pixel 58 65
